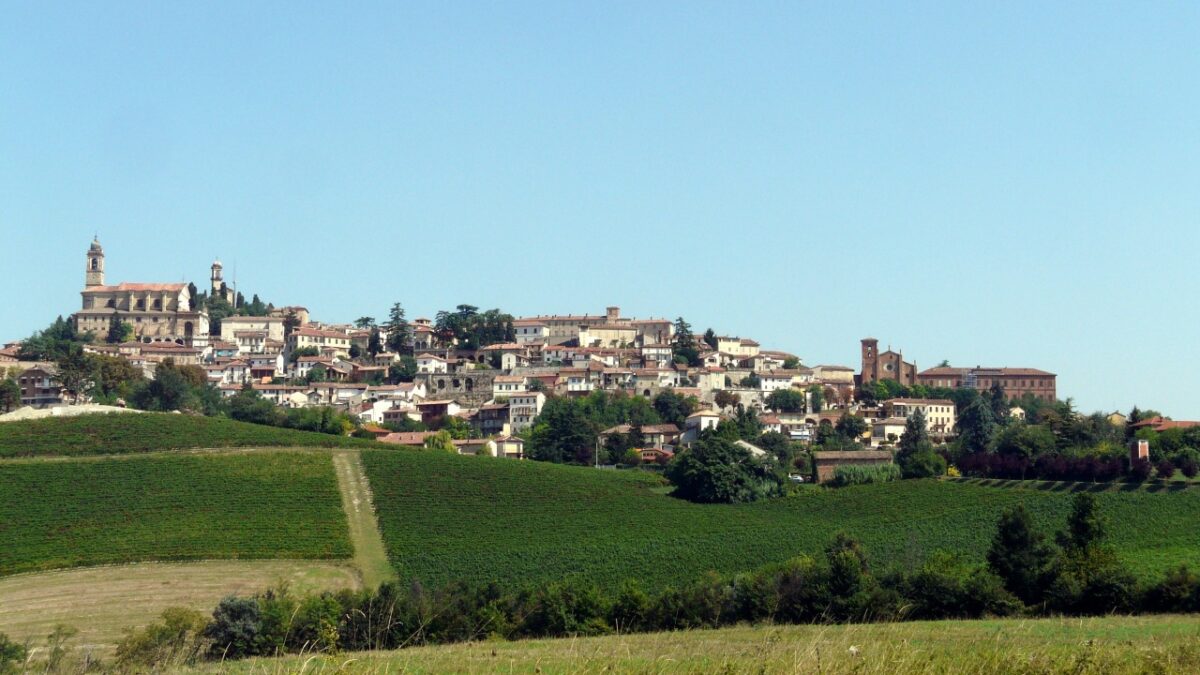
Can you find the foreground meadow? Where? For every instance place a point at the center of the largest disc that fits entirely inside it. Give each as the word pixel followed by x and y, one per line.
pixel 1159 644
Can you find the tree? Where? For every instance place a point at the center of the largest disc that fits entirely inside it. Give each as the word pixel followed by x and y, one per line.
pixel 76 374
pixel 364 322
pixel 1025 441
pixel 915 453
pixel 710 339
pixel 726 399
pixel 998 401
pixel 851 427
pixel 118 331
pixel 1020 556
pixel 374 343
pixel 683 345
pixel 441 441
pixel 714 470
pixel 791 363
pixel 976 426
pixel 404 371
pixel 53 343
pixel 562 434
pixel 114 375
pixel 786 400
pixel 1086 527
pixel 816 396
pixel 290 322
pixel 10 394
pixel 673 408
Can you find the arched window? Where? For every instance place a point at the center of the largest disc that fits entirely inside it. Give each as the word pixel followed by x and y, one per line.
pixel 95 264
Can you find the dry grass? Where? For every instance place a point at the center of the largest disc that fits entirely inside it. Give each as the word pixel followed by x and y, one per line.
pixel 1163 644
pixel 102 601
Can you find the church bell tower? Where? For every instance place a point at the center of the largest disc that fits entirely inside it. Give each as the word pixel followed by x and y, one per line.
pixel 95 265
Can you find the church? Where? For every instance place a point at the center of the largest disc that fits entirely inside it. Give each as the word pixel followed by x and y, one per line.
pixel 157 312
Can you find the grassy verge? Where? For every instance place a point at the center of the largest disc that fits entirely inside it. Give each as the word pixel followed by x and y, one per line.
pixel 169 507
pixel 103 601
pixel 370 556
pixel 1162 644
pixel 117 434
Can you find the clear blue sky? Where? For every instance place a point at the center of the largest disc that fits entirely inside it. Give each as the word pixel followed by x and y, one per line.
pixel 1016 184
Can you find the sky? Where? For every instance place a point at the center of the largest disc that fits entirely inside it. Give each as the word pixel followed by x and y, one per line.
pixel 998 184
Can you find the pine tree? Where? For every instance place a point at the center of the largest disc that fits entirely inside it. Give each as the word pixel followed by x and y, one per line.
pixel 1020 556
pixel 976 426
pixel 398 330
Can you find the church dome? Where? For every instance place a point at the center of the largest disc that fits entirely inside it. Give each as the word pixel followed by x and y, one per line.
pixel 95 247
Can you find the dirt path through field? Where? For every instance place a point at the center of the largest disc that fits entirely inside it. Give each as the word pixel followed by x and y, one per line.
pixel 102 601
pixel 369 552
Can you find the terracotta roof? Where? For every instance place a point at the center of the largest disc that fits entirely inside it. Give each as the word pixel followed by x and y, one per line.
pixel 316 332
pixel 135 287
pixel 407 437
pixel 660 429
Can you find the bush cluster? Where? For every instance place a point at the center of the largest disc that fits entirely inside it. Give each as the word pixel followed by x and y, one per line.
pixel 862 474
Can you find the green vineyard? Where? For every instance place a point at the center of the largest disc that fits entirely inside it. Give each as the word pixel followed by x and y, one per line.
pixel 169 507
pixel 147 432
pixel 446 518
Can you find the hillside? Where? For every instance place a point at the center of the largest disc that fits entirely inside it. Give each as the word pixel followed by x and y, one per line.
pixel 1160 644
pixel 447 517
pixel 118 434
pixel 269 504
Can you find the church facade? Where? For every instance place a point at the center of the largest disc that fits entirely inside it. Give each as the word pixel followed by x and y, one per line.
pixel 158 312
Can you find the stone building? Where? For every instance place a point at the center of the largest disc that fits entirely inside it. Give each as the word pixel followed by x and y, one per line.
pixel 157 312
pixel 889 365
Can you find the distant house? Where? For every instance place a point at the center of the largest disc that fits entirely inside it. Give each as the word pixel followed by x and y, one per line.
pixel 524 407
pixel 39 385
pixel 656 455
pixel 697 422
pixel 428 363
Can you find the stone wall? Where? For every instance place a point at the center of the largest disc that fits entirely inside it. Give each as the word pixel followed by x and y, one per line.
pixel 471 388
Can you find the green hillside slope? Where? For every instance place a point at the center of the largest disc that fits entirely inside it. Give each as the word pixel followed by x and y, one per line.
pixel 447 517
pixel 116 434
pixel 169 507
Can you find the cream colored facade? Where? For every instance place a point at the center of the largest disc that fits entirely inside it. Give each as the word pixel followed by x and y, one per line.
pixel 735 346
pixel 272 326
pixel 157 312
pixel 327 342
pixel 940 414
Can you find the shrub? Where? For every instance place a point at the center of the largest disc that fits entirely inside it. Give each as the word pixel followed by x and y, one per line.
pixel 1139 470
pixel 924 463
pixel 714 470
pixel 12 656
pixel 861 474
pixel 177 640
pixel 1164 469
pixel 236 628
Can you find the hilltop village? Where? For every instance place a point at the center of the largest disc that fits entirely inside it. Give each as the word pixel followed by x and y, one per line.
pixel 487 376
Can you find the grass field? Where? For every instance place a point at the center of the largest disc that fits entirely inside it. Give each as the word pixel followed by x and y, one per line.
pixel 1113 645
pixel 447 517
pixel 268 504
pixel 102 601
pixel 118 434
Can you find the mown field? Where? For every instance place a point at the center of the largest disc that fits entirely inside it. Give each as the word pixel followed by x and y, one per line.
pixel 268 504
pixel 1101 646
pixel 117 434
pixel 446 517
